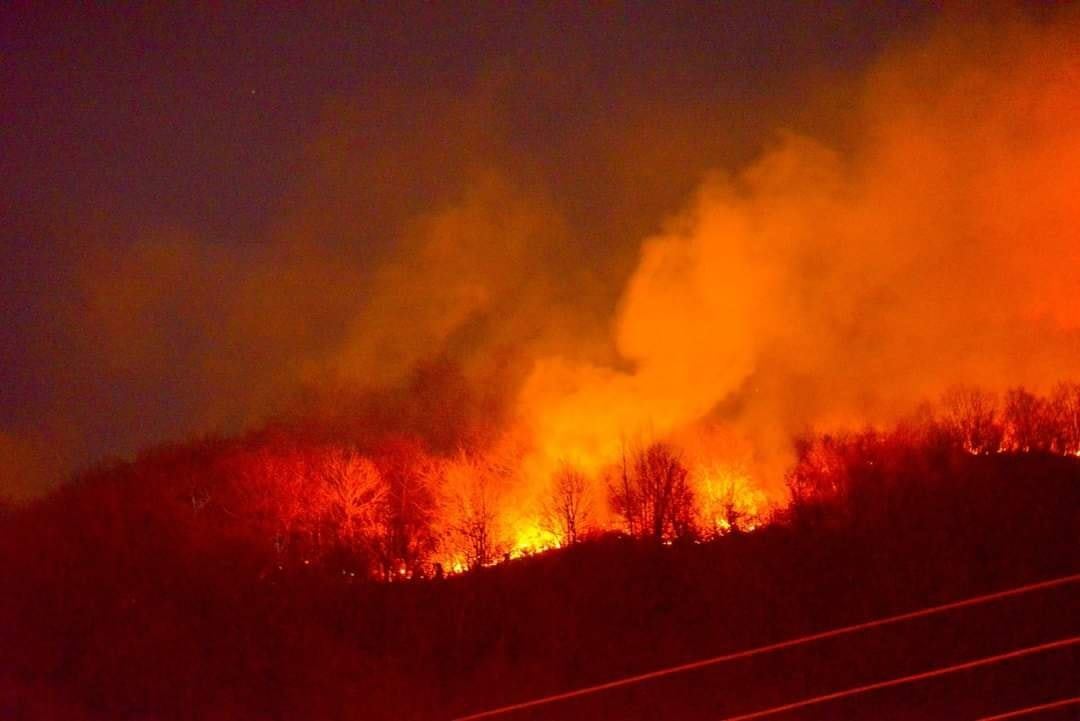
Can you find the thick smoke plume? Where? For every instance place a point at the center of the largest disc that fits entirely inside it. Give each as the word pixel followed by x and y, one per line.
pixel 826 286
pixel 898 233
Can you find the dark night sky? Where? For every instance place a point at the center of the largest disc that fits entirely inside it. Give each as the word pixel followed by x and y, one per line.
pixel 196 117
pixel 202 122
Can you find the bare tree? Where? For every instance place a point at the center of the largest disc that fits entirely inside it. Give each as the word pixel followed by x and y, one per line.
pixel 476 518
pixel 278 492
pixel 351 490
pixel 566 510
pixel 819 471
pixel 653 495
pixel 407 510
pixel 1065 409
pixel 623 494
pixel 970 416
pixel 1027 421
pixel 472 482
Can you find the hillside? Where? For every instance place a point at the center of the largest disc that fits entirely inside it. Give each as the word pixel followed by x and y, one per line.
pixel 119 611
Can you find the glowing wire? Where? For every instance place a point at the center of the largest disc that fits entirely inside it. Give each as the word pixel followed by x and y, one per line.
pixel 921 613
pixel 922 676
pixel 1016 713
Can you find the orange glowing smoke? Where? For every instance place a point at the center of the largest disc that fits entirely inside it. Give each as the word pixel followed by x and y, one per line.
pixel 928 235
pixel 831 282
pixel 820 287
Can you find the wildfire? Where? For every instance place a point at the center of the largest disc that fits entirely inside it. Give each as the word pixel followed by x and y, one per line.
pixel 527 540
pixel 532 539
pixel 408 512
pixel 729 501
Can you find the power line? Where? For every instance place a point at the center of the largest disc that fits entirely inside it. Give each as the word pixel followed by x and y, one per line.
pixel 933 673
pixel 820 636
pixel 1016 713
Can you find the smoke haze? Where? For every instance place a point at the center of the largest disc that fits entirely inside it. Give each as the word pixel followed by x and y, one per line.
pixel 828 250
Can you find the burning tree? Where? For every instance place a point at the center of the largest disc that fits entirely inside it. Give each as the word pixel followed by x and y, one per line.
pixel 405 537
pixel 274 489
pixel 566 509
pixel 351 491
pixel 475 526
pixel 820 470
pixel 471 490
pixel 727 502
pixel 1065 408
pixel 1028 424
pixel 970 415
pixel 652 495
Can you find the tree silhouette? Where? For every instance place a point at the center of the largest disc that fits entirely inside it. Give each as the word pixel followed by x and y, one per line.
pixel 1065 410
pixel 471 501
pixel 351 491
pixel 652 494
pixel 970 416
pixel 405 538
pixel 1027 422
pixel 566 509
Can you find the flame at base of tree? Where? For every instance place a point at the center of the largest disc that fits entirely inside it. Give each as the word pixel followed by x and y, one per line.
pixel 393 509
pixel 729 501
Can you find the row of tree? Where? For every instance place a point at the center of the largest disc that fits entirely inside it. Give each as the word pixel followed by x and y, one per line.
pixel 1021 421
pixel 149 589
pixel 396 509
pixel 843 470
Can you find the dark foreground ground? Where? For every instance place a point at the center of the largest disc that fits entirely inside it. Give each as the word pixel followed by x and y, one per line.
pixel 868 657
pixel 139 623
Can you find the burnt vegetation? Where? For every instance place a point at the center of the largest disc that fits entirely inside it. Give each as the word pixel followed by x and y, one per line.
pixel 288 574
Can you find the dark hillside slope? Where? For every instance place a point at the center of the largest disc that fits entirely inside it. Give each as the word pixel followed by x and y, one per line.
pixel 117 607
